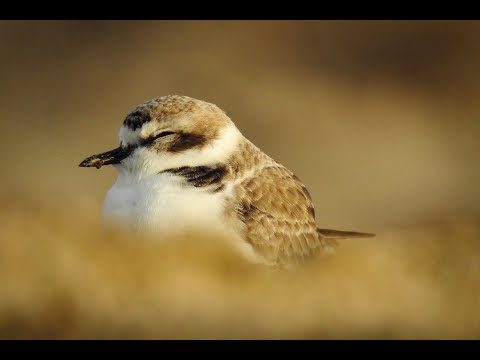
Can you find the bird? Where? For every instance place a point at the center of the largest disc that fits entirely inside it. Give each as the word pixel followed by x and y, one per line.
pixel 183 164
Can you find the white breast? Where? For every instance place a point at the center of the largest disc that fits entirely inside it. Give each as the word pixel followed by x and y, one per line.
pixel 162 203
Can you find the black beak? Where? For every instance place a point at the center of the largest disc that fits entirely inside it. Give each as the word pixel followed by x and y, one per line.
pixel 107 158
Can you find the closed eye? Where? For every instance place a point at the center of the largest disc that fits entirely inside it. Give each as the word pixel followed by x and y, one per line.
pixel 153 138
pixel 150 140
pixel 162 134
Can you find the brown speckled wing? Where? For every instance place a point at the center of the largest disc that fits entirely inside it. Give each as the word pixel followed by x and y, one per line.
pixel 279 216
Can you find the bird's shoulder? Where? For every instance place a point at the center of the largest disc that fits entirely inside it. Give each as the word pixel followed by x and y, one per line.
pixel 277 191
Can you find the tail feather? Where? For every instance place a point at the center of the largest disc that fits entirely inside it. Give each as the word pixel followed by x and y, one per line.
pixel 338 234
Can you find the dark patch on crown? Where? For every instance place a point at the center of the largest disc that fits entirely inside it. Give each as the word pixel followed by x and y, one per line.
pixel 136 119
pixel 187 141
pixel 202 176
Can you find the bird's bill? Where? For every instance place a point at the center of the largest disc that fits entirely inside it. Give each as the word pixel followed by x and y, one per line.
pixel 107 158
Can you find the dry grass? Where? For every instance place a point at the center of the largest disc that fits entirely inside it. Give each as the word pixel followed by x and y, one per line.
pixel 65 278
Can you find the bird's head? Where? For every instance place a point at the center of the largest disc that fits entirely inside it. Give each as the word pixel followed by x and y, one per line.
pixel 170 132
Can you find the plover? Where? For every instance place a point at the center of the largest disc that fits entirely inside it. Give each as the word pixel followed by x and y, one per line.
pixel 183 165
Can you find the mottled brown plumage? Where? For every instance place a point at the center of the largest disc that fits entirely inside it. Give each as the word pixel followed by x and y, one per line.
pixel 274 207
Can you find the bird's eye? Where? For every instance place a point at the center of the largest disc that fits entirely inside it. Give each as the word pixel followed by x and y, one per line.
pixel 162 134
pixel 150 140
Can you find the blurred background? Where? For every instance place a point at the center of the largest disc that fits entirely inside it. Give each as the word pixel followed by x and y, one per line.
pixel 380 119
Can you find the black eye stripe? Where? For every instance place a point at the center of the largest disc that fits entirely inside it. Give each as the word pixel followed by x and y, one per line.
pixel 187 141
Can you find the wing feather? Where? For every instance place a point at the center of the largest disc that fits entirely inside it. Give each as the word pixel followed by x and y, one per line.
pixel 279 216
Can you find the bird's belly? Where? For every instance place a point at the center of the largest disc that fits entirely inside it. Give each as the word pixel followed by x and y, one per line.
pixel 163 205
